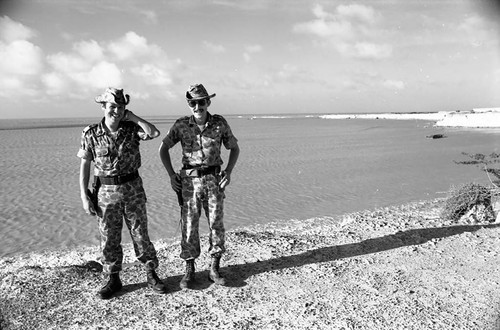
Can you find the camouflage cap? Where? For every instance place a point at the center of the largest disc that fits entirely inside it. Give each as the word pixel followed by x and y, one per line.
pixel 113 95
pixel 197 92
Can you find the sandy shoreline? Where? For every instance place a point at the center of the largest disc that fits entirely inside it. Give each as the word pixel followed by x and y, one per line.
pixel 392 268
pixel 476 118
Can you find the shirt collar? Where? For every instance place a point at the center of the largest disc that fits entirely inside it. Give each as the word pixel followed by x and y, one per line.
pixel 102 129
pixel 192 121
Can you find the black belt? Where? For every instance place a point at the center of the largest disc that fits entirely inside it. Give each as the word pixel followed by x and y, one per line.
pixel 119 179
pixel 199 171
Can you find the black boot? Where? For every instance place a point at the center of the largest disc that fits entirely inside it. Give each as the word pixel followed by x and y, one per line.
pixel 188 278
pixel 155 283
pixel 213 274
pixel 114 285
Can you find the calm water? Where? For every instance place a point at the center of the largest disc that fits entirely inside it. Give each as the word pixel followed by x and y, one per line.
pixel 289 168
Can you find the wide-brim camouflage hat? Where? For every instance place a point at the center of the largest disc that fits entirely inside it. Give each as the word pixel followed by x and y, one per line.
pixel 113 95
pixel 197 92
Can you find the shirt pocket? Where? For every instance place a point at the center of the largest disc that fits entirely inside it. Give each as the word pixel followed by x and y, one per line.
pixel 212 140
pixel 103 158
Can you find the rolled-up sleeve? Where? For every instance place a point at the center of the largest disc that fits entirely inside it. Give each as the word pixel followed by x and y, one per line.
pixel 229 140
pixel 85 151
pixel 172 137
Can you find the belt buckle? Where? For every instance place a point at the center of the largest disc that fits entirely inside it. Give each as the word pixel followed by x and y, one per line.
pixel 193 172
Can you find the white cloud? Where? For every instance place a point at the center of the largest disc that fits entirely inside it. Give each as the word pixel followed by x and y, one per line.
pixel 21 61
pixel 477 31
pixel 89 50
pixel 394 84
pixel 291 74
pixel 366 50
pixel 75 77
pixel 362 80
pixel 326 29
pixel 54 83
pixel 288 72
pixel 131 46
pixel 358 12
pixel 242 5
pixel 11 31
pixel 319 12
pixel 151 16
pixel 20 58
pixel 154 74
pixel 249 50
pixel 253 48
pixel 92 65
pixel 217 49
pixel 68 63
pixel 352 30
pixel 10 83
pixel 472 24
pixel 102 75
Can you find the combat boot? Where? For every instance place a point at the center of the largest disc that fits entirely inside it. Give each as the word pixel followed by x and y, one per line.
pixel 154 282
pixel 213 274
pixel 188 278
pixel 114 285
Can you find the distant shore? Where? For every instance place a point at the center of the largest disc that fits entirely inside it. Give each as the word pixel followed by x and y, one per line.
pixel 398 267
pixel 476 118
pixel 480 118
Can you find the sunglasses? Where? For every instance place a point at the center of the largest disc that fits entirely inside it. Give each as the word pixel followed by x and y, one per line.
pixel 200 103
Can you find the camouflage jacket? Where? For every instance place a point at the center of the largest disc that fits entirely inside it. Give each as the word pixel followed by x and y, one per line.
pixel 201 148
pixel 112 154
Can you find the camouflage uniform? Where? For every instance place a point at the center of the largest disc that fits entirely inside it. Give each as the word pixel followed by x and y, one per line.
pixel 201 148
pixel 118 155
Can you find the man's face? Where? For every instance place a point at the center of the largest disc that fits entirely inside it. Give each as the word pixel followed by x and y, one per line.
pixel 113 111
pixel 199 107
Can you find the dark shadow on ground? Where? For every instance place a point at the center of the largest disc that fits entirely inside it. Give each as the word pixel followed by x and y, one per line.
pixel 237 274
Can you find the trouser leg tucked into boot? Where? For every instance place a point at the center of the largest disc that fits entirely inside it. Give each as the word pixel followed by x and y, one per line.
pixel 213 274
pixel 154 282
pixel 188 278
pixel 112 286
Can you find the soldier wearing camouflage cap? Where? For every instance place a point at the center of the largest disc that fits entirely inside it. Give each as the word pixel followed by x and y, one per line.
pixel 113 147
pixel 201 181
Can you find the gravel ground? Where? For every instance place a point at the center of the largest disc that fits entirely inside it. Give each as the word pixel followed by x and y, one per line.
pixel 393 268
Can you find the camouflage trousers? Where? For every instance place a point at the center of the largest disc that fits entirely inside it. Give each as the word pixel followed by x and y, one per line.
pixel 118 203
pixel 202 193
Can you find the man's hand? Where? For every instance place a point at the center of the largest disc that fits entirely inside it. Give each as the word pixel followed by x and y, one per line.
pixel 146 126
pixel 225 179
pixel 88 206
pixel 175 182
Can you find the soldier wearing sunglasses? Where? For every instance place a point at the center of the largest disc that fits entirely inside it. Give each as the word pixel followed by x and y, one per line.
pixel 201 182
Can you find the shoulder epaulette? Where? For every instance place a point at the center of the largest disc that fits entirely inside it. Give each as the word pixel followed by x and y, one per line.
pixel 185 118
pixel 219 118
pixel 88 128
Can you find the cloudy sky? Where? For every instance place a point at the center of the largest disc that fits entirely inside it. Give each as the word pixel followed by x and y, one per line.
pixel 259 56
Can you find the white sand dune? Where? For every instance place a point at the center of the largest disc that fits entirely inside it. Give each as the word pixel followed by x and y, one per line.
pixel 476 118
pixel 480 118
